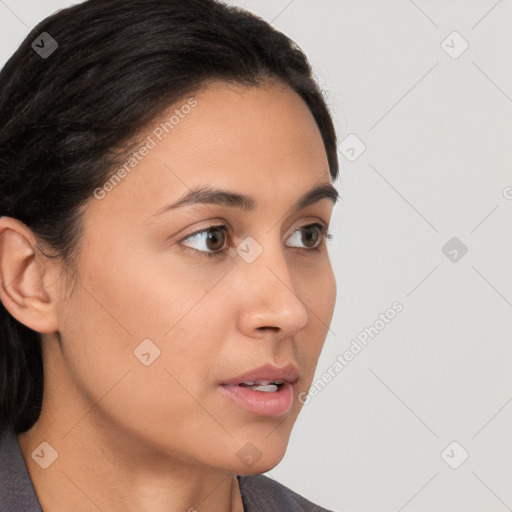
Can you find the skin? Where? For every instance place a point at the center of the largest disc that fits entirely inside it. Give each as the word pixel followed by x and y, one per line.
pixel 162 437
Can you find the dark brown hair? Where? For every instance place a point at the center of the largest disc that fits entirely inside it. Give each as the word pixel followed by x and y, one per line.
pixel 69 111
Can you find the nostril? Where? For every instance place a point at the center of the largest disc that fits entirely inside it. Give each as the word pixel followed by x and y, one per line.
pixel 275 329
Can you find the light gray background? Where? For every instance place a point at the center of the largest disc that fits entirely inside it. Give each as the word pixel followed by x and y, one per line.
pixel 437 132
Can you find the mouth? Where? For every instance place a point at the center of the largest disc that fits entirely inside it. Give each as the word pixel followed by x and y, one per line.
pixel 265 391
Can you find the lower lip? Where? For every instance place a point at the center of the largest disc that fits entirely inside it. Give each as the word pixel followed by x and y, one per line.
pixel 261 402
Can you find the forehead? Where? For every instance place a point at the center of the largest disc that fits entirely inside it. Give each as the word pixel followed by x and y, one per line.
pixel 270 122
pixel 261 141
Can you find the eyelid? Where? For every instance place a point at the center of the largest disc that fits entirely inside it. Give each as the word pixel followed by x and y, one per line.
pixel 220 224
pixel 311 223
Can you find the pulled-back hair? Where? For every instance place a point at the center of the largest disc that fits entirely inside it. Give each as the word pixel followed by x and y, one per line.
pixel 70 116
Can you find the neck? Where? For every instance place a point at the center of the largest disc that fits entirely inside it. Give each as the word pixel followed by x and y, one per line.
pixel 97 468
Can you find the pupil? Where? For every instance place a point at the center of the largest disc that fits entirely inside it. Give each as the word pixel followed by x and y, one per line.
pixel 212 237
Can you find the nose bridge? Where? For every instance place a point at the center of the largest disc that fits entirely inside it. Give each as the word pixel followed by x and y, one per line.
pixel 271 300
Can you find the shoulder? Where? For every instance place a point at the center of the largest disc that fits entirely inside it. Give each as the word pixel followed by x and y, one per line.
pixel 263 494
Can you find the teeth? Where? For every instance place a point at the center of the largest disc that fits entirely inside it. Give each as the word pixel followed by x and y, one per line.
pixel 262 383
pixel 267 388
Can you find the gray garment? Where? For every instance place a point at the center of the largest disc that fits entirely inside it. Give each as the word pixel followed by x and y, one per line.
pixel 259 493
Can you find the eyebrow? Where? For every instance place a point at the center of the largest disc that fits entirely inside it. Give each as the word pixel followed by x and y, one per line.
pixel 209 195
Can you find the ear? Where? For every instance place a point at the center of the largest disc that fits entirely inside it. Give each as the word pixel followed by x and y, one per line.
pixel 22 271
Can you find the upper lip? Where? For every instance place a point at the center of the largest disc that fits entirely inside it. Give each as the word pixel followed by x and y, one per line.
pixel 268 373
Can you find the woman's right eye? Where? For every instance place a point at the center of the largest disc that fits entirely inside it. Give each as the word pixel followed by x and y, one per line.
pixel 215 236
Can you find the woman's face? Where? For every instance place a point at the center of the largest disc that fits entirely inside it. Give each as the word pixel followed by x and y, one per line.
pixel 154 327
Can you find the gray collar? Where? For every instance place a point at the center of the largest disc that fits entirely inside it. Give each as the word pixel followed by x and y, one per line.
pixel 16 490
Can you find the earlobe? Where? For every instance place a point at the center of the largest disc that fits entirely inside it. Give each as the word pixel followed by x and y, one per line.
pixel 22 288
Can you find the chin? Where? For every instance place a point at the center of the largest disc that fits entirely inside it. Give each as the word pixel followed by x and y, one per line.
pixel 254 460
pixel 262 466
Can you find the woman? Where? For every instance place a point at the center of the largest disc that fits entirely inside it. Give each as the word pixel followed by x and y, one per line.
pixel 166 290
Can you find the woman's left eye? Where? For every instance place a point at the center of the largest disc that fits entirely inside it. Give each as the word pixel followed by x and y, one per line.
pixel 316 236
pixel 211 245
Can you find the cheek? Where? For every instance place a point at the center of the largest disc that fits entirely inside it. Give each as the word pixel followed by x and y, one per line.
pixel 145 294
pixel 317 289
pixel 326 294
pixel 319 295
pixel 331 291
pixel 146 335
pixel 157 402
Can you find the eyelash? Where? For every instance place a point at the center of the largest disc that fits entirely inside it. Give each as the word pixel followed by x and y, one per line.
pixel 222 227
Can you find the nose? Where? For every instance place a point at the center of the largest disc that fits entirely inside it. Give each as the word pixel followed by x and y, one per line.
pixel 270 300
